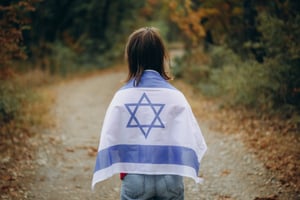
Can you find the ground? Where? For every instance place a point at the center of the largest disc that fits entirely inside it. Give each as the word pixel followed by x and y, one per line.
pixel 66 153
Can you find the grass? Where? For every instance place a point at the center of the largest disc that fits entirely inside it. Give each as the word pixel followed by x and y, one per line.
pixel 27 101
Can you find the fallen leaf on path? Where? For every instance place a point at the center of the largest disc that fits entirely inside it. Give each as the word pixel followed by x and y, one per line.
pixel 273 197
pixel 92 151
pixel 6 177
pixel 70 150
pixel 54 140
pixel 225 172
pixel 225 198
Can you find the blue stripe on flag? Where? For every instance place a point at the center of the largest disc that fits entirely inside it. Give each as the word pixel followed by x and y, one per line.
pixel 146 154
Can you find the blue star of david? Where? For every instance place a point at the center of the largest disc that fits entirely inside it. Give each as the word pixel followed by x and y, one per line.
pixel 141 115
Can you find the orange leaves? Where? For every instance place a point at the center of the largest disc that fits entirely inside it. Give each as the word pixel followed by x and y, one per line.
pixel 27 5
pixel 190 20
pixel 13 21
pixel 150 8
pixel 153 2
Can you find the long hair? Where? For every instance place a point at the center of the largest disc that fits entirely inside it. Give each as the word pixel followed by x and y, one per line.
pixel 145 50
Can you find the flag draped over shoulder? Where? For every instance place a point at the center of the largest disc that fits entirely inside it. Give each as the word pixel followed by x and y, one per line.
pixel 149 129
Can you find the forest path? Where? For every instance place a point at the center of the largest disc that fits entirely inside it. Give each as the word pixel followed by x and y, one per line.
pixel 66 157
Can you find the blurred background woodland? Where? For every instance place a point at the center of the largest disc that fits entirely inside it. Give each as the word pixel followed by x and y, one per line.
pixel 246 53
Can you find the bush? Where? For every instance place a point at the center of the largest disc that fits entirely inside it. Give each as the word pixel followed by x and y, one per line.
pixel 280 39
pixel 262 86
pixel 271 85
pixel 192 66
pixel 238 82
pixel 12 98
pixel 23 105
pixel 59 59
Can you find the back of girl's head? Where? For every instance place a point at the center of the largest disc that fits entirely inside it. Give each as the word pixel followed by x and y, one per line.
pixel 145 50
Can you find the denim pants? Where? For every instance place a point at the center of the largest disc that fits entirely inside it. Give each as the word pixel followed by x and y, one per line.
pixel 151 187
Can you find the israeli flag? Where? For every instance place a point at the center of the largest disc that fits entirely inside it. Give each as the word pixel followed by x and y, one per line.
pixel 149 129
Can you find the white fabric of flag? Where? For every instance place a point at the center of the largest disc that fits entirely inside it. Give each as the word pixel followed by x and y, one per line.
pixel 149 129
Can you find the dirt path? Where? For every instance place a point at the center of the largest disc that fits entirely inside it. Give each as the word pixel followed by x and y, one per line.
pixel 66 156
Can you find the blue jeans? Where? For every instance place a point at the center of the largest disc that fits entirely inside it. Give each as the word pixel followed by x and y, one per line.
pixel 151 187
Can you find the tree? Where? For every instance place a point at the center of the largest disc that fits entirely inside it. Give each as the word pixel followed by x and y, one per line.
pixel 261 37
pixel 13 20
pixel 85 26
pixel 190 19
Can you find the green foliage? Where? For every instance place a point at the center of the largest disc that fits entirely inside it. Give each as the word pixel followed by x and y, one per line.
pixel 13 96
pixel 240 82
pixel 88 27
pixel 62 59
pixel 263 86
pixel 178 67
pixel 78 35
pixel 282 46
pixel 23 104
pixel 256 62
pixel 192 66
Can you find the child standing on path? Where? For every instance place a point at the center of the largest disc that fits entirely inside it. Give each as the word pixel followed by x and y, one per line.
pixel 149 135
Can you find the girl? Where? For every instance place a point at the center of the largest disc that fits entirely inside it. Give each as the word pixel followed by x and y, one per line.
pixel 149 134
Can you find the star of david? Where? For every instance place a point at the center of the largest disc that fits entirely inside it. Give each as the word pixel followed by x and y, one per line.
pixel 145 115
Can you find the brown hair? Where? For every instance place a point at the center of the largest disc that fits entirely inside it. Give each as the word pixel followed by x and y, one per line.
pixel 145 50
